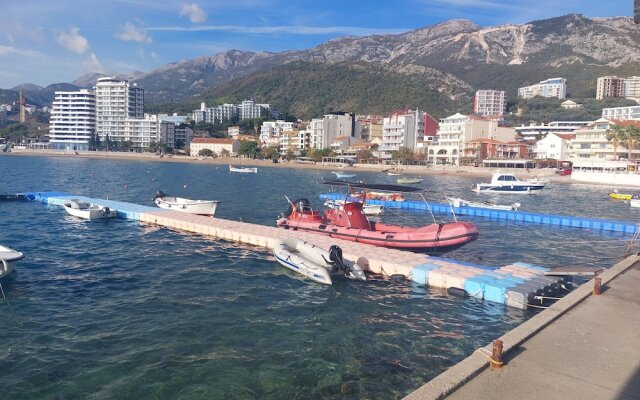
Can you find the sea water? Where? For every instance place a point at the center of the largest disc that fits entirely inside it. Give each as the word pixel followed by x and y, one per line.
pixel 117 309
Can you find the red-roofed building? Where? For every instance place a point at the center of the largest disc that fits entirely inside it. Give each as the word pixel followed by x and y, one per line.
pixel 476 150
pixel 216 145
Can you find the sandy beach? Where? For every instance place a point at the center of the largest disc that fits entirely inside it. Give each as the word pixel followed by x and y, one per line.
pixel 405 169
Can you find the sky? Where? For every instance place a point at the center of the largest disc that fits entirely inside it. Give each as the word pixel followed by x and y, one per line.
pixel 52 41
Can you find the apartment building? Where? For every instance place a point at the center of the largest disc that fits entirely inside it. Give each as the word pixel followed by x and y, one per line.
pixel 456 130
pixel 555 146
pixel 271 131
pixel 332 125
pixel 592 143
pixel 116 101
pixel 539 131
pixel 248 109
pixel 629 113
pixel 294 141
pixel 72 122
pixel 490 103
pixel 402 128
pixel 216 145
pixel 609 86
pixel 555 87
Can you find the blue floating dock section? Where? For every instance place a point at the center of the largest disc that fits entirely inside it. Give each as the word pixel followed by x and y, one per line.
pixel 125 210
pixel 504 215
pixel 514 285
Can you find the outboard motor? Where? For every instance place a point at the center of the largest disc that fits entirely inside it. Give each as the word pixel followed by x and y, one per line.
pixel 106 210
pixel 335 256
pixel 158 194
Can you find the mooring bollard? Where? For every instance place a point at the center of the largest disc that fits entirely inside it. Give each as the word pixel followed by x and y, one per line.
pixel 597 286
pixel 496 356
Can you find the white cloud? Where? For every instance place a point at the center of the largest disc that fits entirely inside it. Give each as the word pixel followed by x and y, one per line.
pixel 73 41
pixel 154 55
pixel 290 29
pixel 92 64
pixel 130 33
pixel 194 12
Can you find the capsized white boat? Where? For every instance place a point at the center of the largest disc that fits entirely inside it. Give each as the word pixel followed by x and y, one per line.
pixel 8 257
pixel 369 209
pixel 315 263
pixel 199 207
pixel 253 170
pixel 89 211
pixel 458 202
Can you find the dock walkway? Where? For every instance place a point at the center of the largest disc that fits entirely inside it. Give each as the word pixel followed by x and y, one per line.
pixel 583 347
pixel 514 285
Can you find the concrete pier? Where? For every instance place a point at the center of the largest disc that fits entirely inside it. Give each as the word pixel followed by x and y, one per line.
pixel 585 346
pixel 513 285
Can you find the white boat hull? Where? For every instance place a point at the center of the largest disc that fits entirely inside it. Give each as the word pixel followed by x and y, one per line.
pixel 8 259
pixel 369 209
pixel 89 211
pixel 457 203
pixel 309 260
pixel 251 170
pixel 199 207
pixel 634 203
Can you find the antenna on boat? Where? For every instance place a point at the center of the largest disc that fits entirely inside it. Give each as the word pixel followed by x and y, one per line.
pixel 429 207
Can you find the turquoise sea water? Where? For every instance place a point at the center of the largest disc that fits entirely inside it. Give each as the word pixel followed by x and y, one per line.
pixel 115 309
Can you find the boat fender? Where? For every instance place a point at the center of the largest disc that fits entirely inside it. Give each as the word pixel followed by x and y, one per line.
pixel 458 292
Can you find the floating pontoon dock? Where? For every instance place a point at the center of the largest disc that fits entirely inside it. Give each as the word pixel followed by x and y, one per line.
pixel 514 285
pixel 502 215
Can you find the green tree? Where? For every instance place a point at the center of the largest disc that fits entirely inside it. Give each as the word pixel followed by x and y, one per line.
pixel 290 156
pixel 269 151
pixel 248 148
pixel 225 153
pixel 403 154
pixel 206 153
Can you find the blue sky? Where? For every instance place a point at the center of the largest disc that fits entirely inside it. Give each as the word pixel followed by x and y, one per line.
pixel 50 41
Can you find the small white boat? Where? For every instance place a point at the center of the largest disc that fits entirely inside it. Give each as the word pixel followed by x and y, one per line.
pixel 253 170
pixel 409 180
pixel 509 183
pixel 343 175
pixel 88 211
pixel 458 202
pixel 392 173
pixel 369 209
pixel 315 263
pixel 8 256
pixel 634 201
pixel 199 207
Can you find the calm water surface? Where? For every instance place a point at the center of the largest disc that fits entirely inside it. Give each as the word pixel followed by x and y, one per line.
pixel 115 309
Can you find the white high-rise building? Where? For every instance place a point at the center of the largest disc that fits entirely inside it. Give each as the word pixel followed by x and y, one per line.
pixel 271 131
pixel 73 120
pixel 116 101
pixel 404 128
pixel 555 87
pixel 325 130
pixel 490 103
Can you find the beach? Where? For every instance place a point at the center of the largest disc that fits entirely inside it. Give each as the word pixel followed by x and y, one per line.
pixel 405 169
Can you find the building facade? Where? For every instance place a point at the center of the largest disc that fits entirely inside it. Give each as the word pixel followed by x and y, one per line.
pixel 555 87
pixel 630 113
pixel 216 145
pixel 609 86
pixel 324 130
pixel 401 129
pixel 72 122
pixel 555 146
pixel 272 131
pixel 116 101
pixel 592 143
pixel 537 132
pixel 490 103
pixel 458 129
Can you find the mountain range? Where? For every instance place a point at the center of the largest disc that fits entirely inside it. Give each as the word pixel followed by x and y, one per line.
pixel 436 68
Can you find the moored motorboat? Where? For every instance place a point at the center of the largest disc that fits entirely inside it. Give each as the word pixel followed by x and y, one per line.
pixel 634 201
pixel 199 207
pixel 509 183
pixel 314 262
pixel 343 175
pixel 350 223
pixel 369 209
pixel 458 202
pixel 409 181
pixel 88 211
pixel 8 259
pixel 394 173
pixel 252 170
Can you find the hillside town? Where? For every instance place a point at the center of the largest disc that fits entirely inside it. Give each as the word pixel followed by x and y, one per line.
pixel 111 117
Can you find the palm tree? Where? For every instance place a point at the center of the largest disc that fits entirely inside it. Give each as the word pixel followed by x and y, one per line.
pixel 616 134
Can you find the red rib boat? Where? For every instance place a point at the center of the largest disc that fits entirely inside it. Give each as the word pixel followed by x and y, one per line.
pixel 350 223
